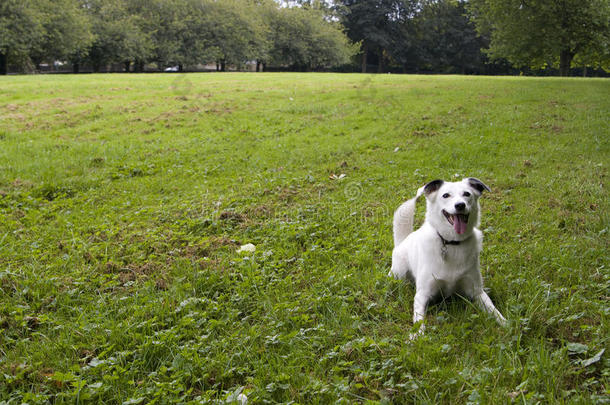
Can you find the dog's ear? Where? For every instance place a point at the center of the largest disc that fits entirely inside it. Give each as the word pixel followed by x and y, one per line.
pixel 433 186
pixel 477 184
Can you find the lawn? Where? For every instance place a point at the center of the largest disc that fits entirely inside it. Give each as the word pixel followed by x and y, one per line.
pixel 124 200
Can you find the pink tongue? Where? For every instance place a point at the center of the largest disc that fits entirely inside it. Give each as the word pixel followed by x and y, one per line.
pixel 459 224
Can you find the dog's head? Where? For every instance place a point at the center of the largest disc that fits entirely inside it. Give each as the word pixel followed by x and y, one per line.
pixel 453 207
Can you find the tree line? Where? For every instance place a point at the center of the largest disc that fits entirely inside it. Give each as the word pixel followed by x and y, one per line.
pixel 479 36
pixel 99 33
pixel 443 36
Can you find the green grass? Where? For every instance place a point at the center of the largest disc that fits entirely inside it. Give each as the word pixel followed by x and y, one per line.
pixel 124 199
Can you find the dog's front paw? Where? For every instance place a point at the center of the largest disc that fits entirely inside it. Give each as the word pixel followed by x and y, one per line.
pixel 416 335
pixel 501 320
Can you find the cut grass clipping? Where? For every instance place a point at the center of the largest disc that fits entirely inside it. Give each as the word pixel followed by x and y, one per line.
pixel 125 201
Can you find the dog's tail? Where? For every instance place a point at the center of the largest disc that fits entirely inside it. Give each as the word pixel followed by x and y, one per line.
pixel 403 218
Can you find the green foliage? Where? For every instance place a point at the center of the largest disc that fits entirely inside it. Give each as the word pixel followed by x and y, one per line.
pixel 235 30
pixel 124 200
pixel 21 28
pixel 538 33
pixel 446 38
pixel 37 30
pixel 435 35
pixel 183 32
pixel 300 37
pixel 67 31
pixel 175 32
pixel 374 23
pixel 121 35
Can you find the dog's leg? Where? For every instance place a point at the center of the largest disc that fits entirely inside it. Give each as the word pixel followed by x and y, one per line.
pixel 420 303
pixel 484 302
pixel 400 269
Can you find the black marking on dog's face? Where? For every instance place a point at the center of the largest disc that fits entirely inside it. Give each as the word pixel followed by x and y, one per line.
pixel 433 186
pixel 478 185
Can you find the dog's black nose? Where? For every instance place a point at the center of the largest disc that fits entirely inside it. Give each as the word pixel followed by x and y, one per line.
pixel 460 206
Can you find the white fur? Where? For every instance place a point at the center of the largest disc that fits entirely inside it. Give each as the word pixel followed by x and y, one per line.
pixel 438 269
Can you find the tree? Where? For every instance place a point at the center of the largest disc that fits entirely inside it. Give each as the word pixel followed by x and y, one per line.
pixel 446 40
pixel 67 32
pixel 302 39
pixel 596 58
pixel 37 30
pixel 119 36
pixel 329 46
pixel 196 31
pixel 21 29
pixel 235 30
pixel 373 23
pixel 179 32
pixel 539 33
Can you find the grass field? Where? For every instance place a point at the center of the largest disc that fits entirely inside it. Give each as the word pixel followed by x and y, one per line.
pixel 124 200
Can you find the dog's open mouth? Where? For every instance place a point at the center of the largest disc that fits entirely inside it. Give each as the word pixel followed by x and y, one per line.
pixel 458 221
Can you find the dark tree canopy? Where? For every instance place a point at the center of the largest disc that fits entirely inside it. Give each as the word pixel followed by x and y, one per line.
pixel 446 39
pixel 373 23
pixel 411 35
pixel 21 29
pixel 539 33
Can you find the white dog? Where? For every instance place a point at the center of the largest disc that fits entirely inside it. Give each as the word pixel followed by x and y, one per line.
pixel 442 256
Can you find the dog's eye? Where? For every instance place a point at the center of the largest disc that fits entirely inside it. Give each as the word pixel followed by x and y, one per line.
pixel 446 195
pixel 466 194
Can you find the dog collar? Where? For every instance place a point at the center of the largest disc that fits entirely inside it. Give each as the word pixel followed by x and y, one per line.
pixel 450 242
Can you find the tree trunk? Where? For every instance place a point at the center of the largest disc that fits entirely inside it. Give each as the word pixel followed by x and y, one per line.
pixel 180 67
pixel 223 65
pixel 565 62
pixel 75 67
pixel 259 66
pixel 3 63
pixel 380 65
pixel 127 64
pixel 364 52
